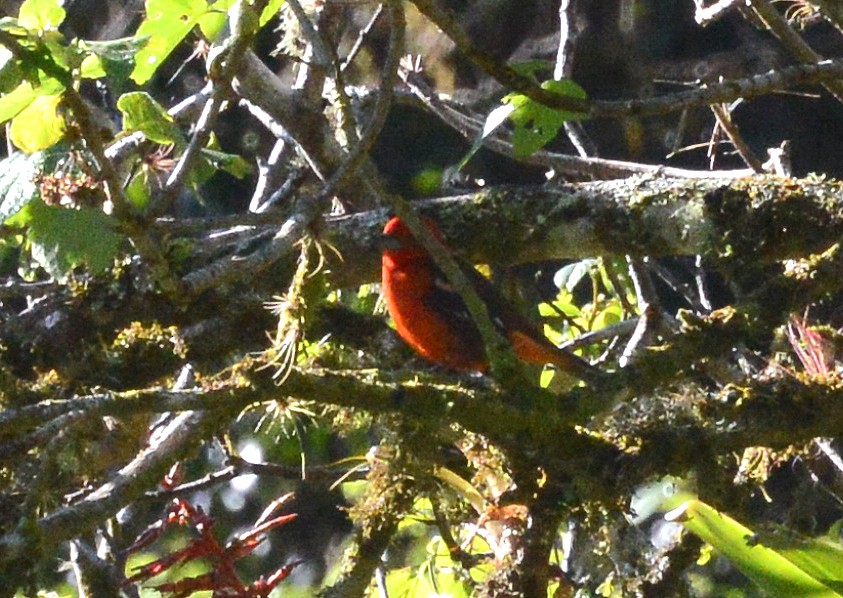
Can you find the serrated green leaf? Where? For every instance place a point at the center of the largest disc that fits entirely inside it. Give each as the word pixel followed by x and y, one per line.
pixel 142 113
pixel 41 15
pixel 63 239
pixel 39 125
pixel 166 25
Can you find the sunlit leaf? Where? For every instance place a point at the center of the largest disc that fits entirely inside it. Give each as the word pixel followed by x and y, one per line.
pixel 167 23
pixel 63 239
pixel 143 114
pixel 39 125
pixel 535 123
pixel 41 15
pixel 768 568
pixel 17 180
pixel 212 23
pixel 569 276
pixel 493 122
pixel 114 58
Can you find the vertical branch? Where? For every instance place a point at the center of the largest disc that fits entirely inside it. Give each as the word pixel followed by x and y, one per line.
pixel 568 34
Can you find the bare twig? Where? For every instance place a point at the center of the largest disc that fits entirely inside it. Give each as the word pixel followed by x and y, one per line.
pixel 832 11
pixel 705 15
pixel 358 43
pixel 509 78
pixel 792 41
pixel 568 35
pixel 573 167
pixel 724 119
pixel 223 65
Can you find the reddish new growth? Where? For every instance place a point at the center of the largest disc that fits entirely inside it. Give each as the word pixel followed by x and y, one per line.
pixel 223 579
pixel 814 350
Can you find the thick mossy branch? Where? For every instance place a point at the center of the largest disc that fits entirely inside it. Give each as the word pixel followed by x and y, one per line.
pixel 773 218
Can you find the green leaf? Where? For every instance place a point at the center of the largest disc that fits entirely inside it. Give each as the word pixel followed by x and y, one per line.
pixel 63 239
pixel 11 73
pixel 536 124
pixel 570 276
pixel 231 163
pixel 142 113
pixel 167 23
pixel 17 180
pixel 493 122
pixel 137 192
pixel 212 23
pixel 114 58
pixel 769 569
pixel 39 125
pixel 41 15
pixel 272 8
pixel 11 25
pixel 822 558
pixel 13 102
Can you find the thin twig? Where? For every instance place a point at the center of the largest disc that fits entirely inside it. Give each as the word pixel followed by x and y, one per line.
pixel 565 164
pixel 705 15
pixel 358 43
pixel 791 40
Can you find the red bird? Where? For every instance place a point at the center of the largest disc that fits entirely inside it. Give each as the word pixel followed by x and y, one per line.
pixel 435 322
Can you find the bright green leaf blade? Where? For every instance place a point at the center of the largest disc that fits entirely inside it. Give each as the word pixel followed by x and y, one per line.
pixel 15 101
pixel 12 103
pixel 212 22
pixel 272 8
pixel 39 125
pixel 142 113
pixel 63 239
pixel 137 192
pixel 535 124
pixel 41 15
pixel 822 558
pixel 167 23
pixel 766 567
